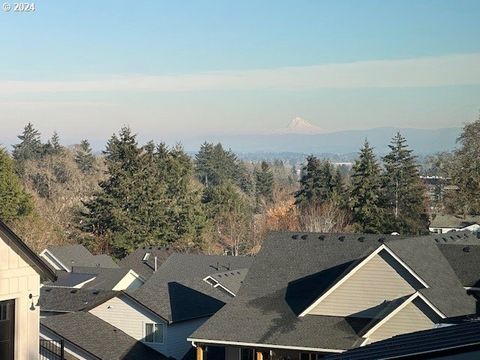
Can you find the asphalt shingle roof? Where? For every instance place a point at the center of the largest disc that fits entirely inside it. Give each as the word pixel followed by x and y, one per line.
pixel 97 277
pixel 78 255
pixel 232 280
pixel 292 270
pixel 145 268
pixel 59 299
pixel 414 344
pixel 99 338
pixel 454 221
pixel 465 261
pixel 177 291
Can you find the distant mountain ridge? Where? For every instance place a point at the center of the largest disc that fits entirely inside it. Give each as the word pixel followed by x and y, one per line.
pixel 422 141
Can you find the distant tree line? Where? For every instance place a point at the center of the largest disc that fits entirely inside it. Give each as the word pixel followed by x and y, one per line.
pixel 138 195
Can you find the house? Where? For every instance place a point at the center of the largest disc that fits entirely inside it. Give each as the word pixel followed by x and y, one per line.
pixel 308 295
pixel 461 341
pixel 179 297
pixel 63 258
pixel 20 273
pixel 81 277
pixel 87 337
pixel 442 224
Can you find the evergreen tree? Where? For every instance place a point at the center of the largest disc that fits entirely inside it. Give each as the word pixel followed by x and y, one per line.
pixel 53 146
pixel 365 193
pixel 14 201
pixel 264 182
pixel 214 165
pixel 147 198
pixel 30 146
pixel 319 183
pixel 403 192
pixel 466 171
pixel 84 158
pixel 310 183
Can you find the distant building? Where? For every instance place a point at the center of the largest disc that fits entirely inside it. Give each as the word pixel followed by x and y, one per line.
pixel 442 224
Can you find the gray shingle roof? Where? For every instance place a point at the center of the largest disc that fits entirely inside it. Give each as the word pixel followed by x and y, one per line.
pixel 78 255
pixel 142 267
pixel 103 278
pixel 59 299
pixel 97 337
pixel 465 261
pixel 231 280
pixel 446 291
pixel 177 292
pixel 292 270
pixel 454 221
pixel 433 342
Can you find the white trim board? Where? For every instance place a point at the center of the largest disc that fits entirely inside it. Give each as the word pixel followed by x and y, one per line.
pixel 358 267
pixel 55 258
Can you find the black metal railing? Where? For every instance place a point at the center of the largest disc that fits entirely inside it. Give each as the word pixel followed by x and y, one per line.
pixel 52 350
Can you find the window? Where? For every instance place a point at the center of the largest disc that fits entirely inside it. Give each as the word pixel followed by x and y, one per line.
pixel 246 354
pixel 154 333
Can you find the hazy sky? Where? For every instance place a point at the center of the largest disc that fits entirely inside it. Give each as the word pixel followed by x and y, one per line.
pixel 172 69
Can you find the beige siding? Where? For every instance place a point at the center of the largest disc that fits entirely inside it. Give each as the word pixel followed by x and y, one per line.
pixel 129 282
pixel 380 279
pixel 411 318
pixel 17 281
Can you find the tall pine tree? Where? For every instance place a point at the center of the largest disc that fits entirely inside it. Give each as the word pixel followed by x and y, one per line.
pixel 365 192
pixel 84 158
pixel 30 146
pixel 147 198
pixel 319 183
pixel 264 182
pixel 404 197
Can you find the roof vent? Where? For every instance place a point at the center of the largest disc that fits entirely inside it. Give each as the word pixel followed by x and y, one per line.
pixel 96 292
pixel 295 237
pixel 445 239
pixel 73 291
pixel 304 237
pixel 321 237
pixel 48 290
pixel 381 240
pixel 466 249
pixel 341 238
pixel 437 241
pixel 361 239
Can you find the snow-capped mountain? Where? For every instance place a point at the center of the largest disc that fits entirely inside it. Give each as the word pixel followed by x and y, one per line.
pixel 300 126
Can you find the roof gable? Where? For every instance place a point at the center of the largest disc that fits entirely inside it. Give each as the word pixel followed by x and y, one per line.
pixel 416 304
pixel 381 276
pixel 17 245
